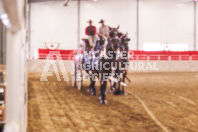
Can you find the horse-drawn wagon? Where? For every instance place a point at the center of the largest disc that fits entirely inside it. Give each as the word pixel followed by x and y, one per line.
pixel 106 61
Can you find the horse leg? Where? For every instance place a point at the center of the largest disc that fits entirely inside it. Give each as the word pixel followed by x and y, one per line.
pixel 117 90
pixel 90 86
pixel 123 80
pixel 90 89
pixel 103 87
pixel 119 81
pixel 111 86
pixel 115 85
pixel 93 88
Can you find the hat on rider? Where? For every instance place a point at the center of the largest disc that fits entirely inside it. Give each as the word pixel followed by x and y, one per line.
pixel 90 21
pixel 101 21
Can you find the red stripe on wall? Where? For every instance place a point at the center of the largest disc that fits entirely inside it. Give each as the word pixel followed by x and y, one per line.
pixel 135 55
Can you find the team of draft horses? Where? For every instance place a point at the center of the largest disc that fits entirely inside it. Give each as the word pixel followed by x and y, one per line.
pixel 106 58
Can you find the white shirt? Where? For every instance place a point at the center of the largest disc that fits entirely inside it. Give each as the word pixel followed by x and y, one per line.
pixel 104 30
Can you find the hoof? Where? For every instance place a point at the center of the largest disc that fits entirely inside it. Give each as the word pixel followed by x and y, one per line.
pixel 110 91
pixel 94 94
pixel 117 92
pixel 123 94
pixel 88 90
pixel 100 98
pixel 103 102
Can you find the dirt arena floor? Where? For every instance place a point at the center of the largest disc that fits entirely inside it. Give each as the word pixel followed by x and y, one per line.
pixel 155 102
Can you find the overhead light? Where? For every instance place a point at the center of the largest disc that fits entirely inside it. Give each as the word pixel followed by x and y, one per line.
pixel 4 16
pixel 6 22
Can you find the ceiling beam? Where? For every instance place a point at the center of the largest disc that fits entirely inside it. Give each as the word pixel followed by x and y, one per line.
pixel 36 1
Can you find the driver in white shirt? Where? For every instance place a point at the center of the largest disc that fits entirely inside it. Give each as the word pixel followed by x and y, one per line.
pixel 104 29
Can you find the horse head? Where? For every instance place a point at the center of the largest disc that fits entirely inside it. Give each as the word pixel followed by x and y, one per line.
pixel 113 33
pixel 87 45
pixel 124 42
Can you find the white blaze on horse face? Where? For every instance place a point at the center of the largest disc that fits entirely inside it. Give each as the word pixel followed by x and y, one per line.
pixel 50 61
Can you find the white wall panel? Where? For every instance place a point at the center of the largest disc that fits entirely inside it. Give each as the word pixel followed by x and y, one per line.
pixel 194 66
pixel 166 21
pixel 52 22
pixel 196 20
pixel 160 21
pixel 114 12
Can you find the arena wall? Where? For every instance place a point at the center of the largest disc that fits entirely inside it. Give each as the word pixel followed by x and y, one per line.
pixel 154 21
pixel 166 21
pixel 35 66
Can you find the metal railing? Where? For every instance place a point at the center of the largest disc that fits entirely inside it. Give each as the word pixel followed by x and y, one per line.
pixel 165 57
pixel 134 57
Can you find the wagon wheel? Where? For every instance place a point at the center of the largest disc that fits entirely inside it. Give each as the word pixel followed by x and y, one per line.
pixel 77 76
pixel 79 79
pixel 74 74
